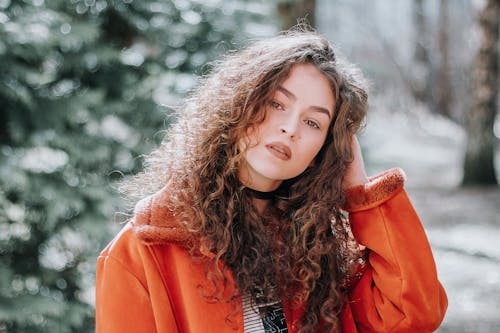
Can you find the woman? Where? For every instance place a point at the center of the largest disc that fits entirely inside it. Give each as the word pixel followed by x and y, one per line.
pixel 247 230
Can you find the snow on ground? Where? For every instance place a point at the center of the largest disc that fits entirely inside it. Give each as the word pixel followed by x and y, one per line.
pixel 463 225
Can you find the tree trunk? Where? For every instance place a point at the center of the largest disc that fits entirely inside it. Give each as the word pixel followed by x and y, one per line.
pixel 292 12
pixel 444 91
pixel 421 73
pixel 479 166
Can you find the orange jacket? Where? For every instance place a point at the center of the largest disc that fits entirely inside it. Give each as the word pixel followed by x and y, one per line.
pixel 147 282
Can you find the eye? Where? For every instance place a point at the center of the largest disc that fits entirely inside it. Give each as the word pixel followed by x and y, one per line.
pixel 312 123
pixel 276 105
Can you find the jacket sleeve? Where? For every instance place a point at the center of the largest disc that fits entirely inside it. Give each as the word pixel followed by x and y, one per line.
pixel 123 300
pixel 400 291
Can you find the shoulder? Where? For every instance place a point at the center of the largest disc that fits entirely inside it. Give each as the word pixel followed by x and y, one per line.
pixel 123 251
pixel 152 226
pixel 155 223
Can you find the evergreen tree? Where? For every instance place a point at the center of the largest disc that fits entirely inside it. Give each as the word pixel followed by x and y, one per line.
pixel 83 89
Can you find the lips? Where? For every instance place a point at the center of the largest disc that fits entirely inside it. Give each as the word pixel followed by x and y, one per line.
pixel 279 150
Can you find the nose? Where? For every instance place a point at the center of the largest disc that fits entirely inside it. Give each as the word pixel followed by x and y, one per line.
pixel 290 126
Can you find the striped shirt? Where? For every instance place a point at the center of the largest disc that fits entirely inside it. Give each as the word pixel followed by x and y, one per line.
pixel 263 318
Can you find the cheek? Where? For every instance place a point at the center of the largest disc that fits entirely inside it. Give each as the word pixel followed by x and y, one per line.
pixel 254 134
pixel 315 149
pixel 251 139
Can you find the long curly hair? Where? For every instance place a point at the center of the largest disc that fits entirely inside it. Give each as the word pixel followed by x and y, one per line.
pixel 291 251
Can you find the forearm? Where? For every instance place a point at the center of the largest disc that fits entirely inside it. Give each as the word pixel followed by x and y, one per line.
pixel 400 291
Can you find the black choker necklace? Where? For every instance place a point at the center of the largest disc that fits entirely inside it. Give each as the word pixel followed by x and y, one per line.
pixel 261 195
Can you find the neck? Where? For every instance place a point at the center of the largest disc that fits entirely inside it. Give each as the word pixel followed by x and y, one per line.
pixel 262 195
pixel 260 205
pixel 260 199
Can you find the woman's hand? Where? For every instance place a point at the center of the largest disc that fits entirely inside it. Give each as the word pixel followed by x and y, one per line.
pixel 355 173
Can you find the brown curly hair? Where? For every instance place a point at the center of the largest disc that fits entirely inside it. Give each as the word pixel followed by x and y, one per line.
pixel 291 251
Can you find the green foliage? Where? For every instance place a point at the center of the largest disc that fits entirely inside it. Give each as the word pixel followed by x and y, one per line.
pixel 83 89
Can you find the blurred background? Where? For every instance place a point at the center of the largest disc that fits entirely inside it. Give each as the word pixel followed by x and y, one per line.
pixel 86 89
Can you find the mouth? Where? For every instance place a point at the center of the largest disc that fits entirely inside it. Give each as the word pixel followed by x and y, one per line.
pixel 279 150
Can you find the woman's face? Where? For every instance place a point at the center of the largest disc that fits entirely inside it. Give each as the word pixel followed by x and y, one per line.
pixel 297 119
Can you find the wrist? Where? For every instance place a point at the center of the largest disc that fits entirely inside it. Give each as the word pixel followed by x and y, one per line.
pixel 355 180
pixel 377 189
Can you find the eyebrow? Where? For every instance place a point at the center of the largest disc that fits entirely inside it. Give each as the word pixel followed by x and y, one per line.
pixel 290 95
